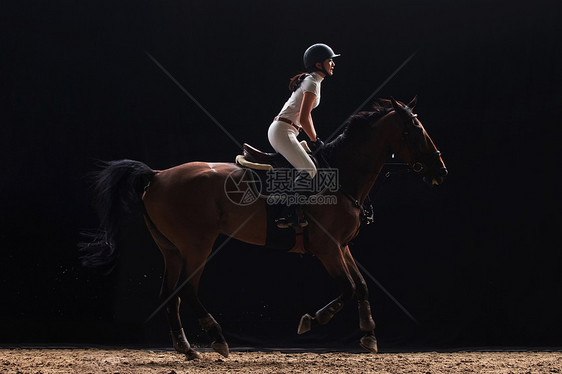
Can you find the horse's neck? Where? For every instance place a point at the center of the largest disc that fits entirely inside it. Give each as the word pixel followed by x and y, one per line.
pixel 360 165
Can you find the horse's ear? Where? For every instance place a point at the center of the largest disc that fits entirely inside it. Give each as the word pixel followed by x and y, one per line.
pixel 412 104
pixel 385 103
pixel 396 105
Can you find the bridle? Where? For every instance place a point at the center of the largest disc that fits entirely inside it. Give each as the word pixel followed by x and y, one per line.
pixel 423 159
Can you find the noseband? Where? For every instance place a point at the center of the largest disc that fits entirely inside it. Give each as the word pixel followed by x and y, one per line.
pixel 418 166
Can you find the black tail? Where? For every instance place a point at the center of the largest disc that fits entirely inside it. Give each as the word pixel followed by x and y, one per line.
pixel 118 190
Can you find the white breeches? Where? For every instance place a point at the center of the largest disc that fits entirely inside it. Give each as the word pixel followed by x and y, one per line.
pixel 283 138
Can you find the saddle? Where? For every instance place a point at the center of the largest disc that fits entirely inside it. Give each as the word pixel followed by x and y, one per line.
pixel 262 163
pixel 255 159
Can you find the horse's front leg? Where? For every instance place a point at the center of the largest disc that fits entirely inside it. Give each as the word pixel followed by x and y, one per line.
pixel 335 263
pixel 366 322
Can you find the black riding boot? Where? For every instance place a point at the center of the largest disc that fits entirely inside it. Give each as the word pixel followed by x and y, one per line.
pixel 290 215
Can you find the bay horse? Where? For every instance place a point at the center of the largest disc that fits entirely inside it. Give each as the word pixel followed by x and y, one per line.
pixel 186 208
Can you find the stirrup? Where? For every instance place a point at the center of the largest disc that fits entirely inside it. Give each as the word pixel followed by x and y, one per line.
pixel 303 223
pixel 282 223
pixel 285 223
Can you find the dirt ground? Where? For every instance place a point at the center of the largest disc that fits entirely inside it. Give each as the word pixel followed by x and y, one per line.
pixel 167 362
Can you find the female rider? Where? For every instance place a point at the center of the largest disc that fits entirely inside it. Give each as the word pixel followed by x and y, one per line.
pixel 296 116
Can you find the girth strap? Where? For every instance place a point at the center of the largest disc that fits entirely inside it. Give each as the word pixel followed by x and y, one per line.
pixel 366 214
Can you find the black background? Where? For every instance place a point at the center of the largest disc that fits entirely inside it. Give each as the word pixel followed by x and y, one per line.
pixel 475 261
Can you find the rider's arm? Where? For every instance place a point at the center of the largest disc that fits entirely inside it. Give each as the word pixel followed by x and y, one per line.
pixel 305 118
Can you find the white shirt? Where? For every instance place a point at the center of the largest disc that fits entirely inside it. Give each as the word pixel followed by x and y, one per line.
pixel 292 108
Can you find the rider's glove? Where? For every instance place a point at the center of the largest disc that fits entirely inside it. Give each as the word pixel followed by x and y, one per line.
pixel 314 146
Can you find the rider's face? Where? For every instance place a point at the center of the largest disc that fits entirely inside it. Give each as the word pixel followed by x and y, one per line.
pixel 328 66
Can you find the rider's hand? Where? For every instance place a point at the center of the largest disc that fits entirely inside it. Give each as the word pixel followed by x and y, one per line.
pixel 314 146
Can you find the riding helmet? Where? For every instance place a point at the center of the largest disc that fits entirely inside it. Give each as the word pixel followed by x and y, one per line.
pixel 317 53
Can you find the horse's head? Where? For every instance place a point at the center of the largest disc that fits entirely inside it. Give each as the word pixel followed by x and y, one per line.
pixel 414 145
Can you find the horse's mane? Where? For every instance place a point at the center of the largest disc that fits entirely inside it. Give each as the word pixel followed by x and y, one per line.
pixel 357 125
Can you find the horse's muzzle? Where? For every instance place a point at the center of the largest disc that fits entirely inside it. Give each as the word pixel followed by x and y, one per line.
pixel 437 178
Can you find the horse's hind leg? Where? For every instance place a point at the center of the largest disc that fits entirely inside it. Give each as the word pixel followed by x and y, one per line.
pixel 173 275
pixel 177 333
pixel 194 264
pixel 206 320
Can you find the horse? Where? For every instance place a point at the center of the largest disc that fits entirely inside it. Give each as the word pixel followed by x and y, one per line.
pixel 185 209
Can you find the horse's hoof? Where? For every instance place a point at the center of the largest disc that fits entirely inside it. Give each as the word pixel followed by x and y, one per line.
pixel 192 355
pixel 369 342
pixel 221 348
pixel 305 324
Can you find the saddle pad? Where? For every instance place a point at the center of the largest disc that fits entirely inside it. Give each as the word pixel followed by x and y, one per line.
pixel 241 160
